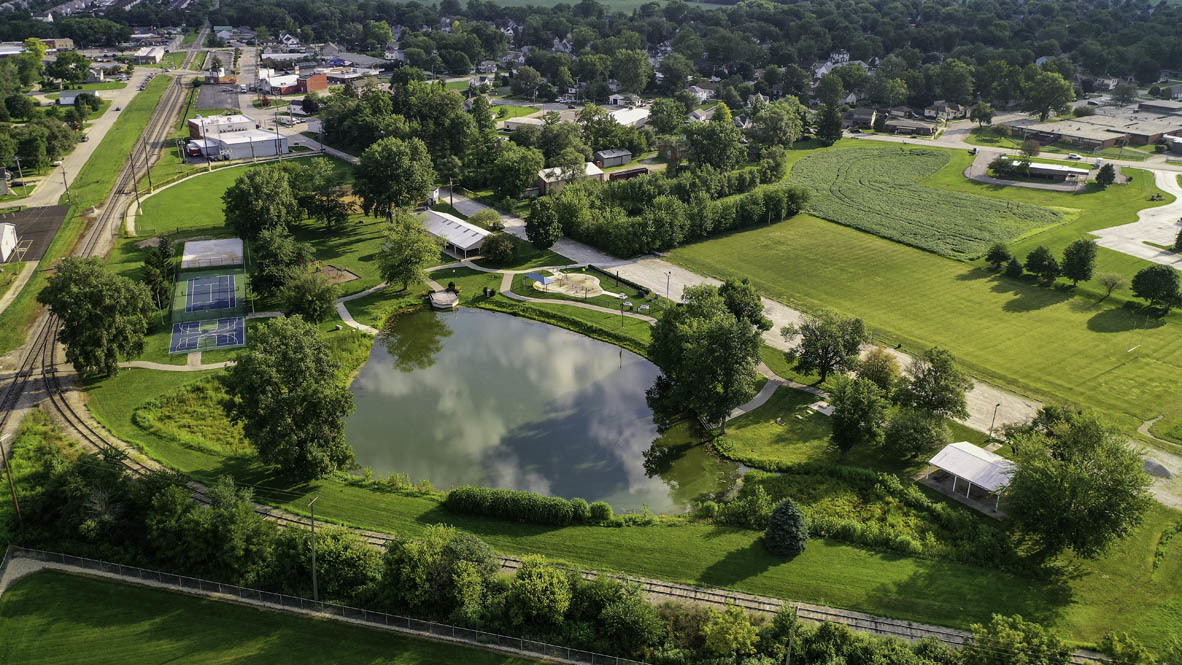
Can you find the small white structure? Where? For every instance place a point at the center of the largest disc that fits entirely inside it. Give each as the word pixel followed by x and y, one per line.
pixel 975 466
pixel 463 239
pixel 550 181
pixel 7 241
pixel 202 127
pixel 211 253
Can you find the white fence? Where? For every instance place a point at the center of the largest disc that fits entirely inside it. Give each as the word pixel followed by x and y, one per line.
pixel 380 620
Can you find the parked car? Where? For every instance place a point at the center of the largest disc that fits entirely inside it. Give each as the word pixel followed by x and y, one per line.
pixel 118 108
pixel 1074 156
pixel 57 163
pixel 84 138
pixel 1092 102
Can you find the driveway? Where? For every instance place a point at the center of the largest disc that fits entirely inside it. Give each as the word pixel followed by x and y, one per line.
pixel 1158 225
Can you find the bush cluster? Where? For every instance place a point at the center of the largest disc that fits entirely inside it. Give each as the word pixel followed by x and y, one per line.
pixel 511 505
pixel 961 536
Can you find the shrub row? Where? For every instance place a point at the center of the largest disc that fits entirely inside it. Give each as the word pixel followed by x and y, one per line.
pixel 510 505
pixel 568 322
pixel 665 221
pixel 635 194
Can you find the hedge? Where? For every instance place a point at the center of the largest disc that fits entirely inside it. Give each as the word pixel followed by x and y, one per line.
pixel 511 505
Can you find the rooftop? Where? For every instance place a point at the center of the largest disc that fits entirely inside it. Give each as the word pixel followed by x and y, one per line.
pixel 454 230
pixel 554 173
pixel 980 467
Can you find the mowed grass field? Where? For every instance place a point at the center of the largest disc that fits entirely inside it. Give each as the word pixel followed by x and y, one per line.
pixel 878 190
pixel 1050 343
pixel 57 618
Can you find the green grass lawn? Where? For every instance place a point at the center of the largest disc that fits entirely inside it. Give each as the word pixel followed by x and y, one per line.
pixel 879 190
pixel 1052 343
pixel 54 617
pixel 90 187
pixel 190 37
pixel 509 111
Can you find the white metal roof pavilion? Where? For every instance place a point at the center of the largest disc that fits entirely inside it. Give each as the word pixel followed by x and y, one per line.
pixel 461 237
pixel 974 465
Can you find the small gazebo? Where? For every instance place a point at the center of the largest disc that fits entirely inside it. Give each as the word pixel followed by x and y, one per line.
pixel 974 467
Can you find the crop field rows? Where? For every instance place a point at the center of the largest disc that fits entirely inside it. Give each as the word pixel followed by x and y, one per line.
pixel 878 191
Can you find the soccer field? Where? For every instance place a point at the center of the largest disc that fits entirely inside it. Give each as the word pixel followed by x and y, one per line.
pixel 61 619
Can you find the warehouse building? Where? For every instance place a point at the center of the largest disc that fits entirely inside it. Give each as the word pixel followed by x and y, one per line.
pixel 200 127
pixel 247 144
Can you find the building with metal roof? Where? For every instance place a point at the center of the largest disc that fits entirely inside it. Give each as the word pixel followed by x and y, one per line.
pixel 463 239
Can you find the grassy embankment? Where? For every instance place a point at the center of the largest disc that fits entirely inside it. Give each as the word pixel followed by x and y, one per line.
pixel 54 617
pixel 90 188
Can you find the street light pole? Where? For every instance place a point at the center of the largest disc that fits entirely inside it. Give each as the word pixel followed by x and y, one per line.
pixel 992 422
pixel 66 182
pixel 668 277
pixel 312 507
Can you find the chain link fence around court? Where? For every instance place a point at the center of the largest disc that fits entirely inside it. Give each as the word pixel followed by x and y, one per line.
pixel 214 293
pixel 381 620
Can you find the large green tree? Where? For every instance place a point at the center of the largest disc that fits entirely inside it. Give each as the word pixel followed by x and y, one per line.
pixel 707 356
pixel 715 143
pixel 1015 641
pixel 936 385
pixel 1079 260
pixel 104 316
pixel 278 258
pixel 1158 285
pixel 777 124
pixel 1077 485
pixel 543 228
pixel 829 343
pixel 632 69
pixel 288 394
pixel 408 251
pixel 393 173
pixel 515 169
pixel 1046 93
pixel 859 410
pixel 260 199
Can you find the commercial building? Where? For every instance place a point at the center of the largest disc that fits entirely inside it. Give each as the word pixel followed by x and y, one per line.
pixel 913 127
pixel 461 238
pixel 513 124
pixel 149 55
pixel 246 144
pixel 217 125
pixel 1056 172
pixel 1105 131
pixel 1162 106
pixel 219 75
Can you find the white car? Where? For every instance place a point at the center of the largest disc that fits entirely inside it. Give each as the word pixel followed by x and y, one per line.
pixel 1074 156
pixel 57 163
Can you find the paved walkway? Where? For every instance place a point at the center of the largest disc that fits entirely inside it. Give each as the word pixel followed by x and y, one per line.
pixel 18 284
pixel 1158 225
pixel 189 366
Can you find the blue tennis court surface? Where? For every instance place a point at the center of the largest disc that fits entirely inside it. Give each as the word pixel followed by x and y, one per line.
pixel 206 293
pixel 204 335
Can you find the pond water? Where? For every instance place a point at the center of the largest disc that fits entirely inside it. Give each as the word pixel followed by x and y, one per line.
pixel 476 397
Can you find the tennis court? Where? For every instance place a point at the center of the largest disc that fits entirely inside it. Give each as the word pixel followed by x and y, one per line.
pixel 191 336
pixel 206 293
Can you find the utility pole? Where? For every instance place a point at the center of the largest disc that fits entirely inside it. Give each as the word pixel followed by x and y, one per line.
pixel 21 173
pixel 147 165
pixel 451 193
pixel 66 182
pixel 11 487
pixel 991 422
pixel 135 181
pixel 312 507
pixel 791 635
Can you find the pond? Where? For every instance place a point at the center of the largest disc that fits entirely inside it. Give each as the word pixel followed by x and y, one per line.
pixel 480 398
